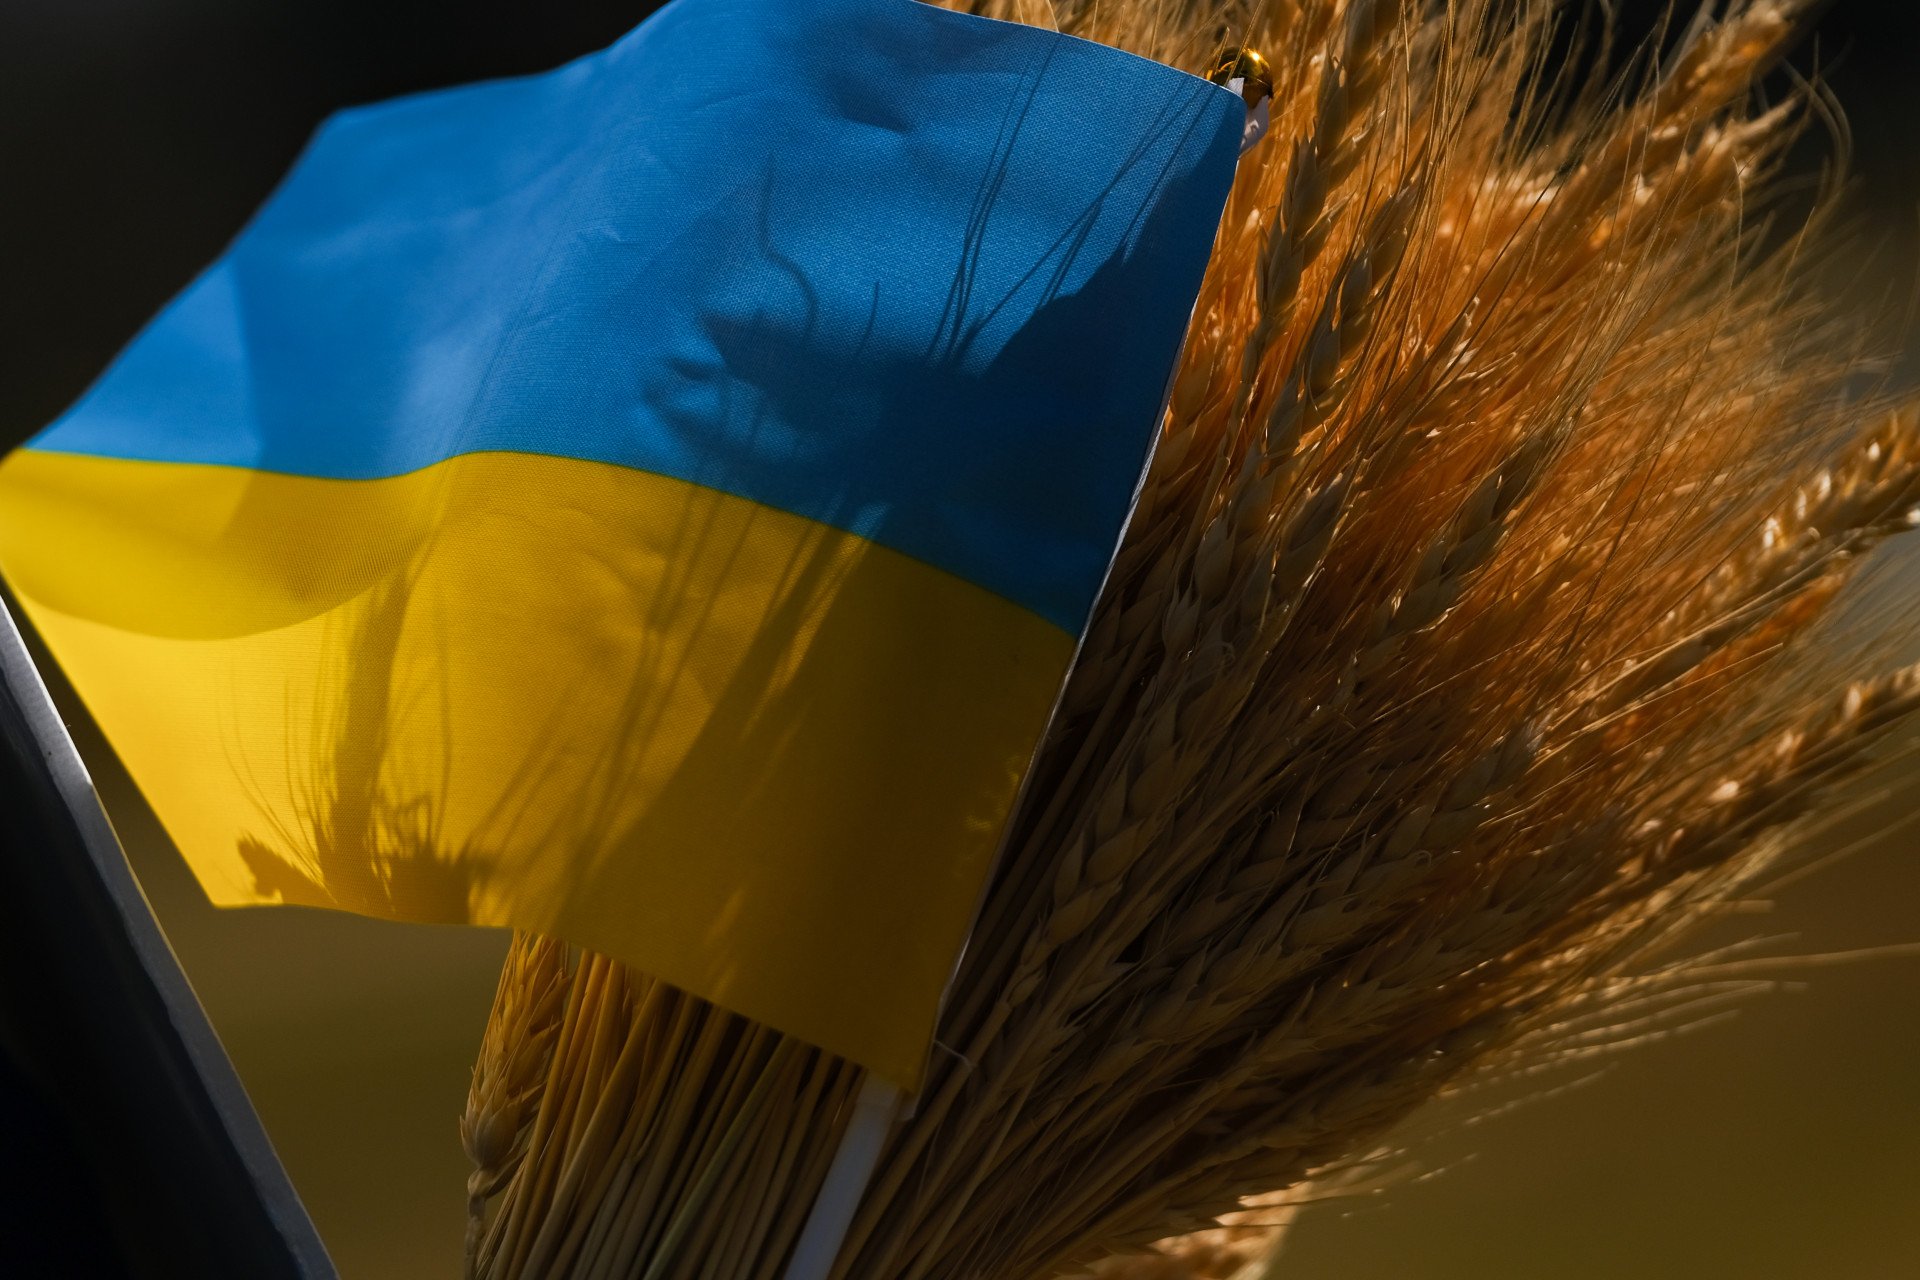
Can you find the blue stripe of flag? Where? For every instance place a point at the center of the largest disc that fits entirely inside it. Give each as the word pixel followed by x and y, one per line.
pixel 912 274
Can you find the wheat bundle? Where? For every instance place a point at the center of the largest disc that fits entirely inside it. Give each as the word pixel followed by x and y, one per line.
pixel 1465 644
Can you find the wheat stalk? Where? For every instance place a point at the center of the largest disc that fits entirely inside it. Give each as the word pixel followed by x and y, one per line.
pixel 665 1129
pixel 516 1054
pixel 1464 647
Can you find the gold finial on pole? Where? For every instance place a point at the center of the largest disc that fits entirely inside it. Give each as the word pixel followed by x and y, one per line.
pixel 1240 68
pixel 1245 64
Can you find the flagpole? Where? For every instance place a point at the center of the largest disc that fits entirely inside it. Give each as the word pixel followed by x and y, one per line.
pixel 875 1108
pixel 102 1013
pixel 1242 71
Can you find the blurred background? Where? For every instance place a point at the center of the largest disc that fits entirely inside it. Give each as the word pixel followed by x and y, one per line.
pixel 136 136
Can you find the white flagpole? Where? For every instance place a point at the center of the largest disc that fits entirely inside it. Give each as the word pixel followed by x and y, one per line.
pixel 196 1094
pixel 874 1110
pixel 878 1103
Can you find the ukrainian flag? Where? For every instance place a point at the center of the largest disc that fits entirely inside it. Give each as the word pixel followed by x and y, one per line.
pixel 653 503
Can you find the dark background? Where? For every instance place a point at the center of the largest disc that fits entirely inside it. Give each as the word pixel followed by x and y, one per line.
pixel 136 136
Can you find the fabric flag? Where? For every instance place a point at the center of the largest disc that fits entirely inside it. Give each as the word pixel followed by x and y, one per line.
pixel 654 503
